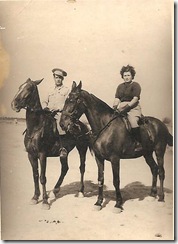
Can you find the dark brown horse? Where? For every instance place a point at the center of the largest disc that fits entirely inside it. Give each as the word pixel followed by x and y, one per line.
pixel 41 140
pixel 112 140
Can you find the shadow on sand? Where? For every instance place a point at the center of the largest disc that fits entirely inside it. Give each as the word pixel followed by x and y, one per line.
pixel 134 190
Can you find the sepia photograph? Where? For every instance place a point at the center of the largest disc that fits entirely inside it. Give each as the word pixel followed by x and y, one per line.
pixel 87 120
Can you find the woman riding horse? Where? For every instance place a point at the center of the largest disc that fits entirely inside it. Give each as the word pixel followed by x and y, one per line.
pixel 112 140
pixel 127 101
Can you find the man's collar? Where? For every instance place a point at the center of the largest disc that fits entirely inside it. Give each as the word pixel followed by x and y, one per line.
pixel 59 87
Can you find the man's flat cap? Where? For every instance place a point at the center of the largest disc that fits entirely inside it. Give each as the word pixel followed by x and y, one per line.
pixel 59 72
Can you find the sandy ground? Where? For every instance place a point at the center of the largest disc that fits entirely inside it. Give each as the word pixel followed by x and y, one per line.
pixel 73 218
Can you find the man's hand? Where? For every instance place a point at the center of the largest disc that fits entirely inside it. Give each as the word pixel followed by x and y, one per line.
pixel 46 109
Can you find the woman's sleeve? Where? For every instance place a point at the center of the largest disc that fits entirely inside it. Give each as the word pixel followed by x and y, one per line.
pixel 136 90
pixel 118 92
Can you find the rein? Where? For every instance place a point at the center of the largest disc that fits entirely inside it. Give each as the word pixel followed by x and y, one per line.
pixel 104 128
pixel 73 114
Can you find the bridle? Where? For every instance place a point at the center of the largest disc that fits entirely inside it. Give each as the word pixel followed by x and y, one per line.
pixel 29 101
pixel 72 116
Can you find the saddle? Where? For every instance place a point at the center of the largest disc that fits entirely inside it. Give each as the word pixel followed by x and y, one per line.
pixel 143 121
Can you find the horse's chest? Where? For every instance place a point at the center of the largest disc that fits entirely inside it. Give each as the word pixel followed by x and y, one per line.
pixel 102 149
pixel 32 143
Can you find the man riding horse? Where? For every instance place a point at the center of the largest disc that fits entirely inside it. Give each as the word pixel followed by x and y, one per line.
pixel 55 99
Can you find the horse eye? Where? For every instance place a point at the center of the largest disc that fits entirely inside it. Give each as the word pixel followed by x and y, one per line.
pixel 78 100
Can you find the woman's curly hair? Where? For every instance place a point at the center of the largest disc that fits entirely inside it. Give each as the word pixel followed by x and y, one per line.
pixel 128 68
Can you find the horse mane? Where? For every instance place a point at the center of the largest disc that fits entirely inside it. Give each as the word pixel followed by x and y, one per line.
pixel 101 105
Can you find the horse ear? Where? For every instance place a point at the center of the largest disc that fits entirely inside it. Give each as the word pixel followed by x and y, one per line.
pixel 79 85
pixel 37 82
pixel 74 85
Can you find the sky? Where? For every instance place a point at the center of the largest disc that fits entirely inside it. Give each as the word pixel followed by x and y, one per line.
pixel 91 40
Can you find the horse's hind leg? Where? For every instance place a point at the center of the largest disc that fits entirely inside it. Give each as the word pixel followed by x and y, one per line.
pixel 34 163
pixel 154 170
pixel 160 159
pixel 64 169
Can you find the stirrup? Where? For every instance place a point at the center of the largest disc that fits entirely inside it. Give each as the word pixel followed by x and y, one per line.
pixel 63 153
pixel 138 146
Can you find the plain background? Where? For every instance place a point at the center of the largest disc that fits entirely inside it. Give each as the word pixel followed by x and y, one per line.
pixel 17 64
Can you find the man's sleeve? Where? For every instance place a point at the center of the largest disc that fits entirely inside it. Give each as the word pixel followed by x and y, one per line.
pixel 45 101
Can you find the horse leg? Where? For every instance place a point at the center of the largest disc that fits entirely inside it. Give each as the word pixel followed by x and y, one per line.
pixel 82 152
pixel 160 160
pixel 42 159
pixel 116 181
pixel 64 169
pixel 154 170
pixel 34 163
pixel 100 164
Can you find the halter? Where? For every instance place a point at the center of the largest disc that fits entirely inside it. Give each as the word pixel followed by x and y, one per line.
pixel 72 114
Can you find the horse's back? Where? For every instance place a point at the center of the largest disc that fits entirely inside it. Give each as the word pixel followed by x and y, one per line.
pixel 158 130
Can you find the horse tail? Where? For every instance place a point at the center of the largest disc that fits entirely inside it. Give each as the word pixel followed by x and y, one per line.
pixel 170 139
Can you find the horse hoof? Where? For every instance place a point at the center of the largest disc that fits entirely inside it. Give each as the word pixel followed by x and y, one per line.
pixel 161 199
pixel 80 195
pixel 33 201
pixel 45 206
pixel 97 207
pixel 117 210
pixel 52 196
pixel 153 194
pixel 56 192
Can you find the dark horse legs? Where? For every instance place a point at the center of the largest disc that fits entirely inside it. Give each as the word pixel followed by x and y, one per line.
pixel 154 170
pixel 100 164
pixel 64 169
pixel 160 160
pixel 116 181
pixel 34 163
pixel 42 158
pixel 82 152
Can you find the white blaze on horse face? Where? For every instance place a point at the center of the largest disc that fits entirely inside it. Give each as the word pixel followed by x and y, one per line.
pixel 21 88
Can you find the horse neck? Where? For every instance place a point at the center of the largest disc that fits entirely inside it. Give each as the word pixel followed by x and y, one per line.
pixel 33 116
pixel 97 112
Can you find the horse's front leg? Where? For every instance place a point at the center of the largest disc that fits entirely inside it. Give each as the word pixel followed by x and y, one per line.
pixel 34 163
pixel 82 152
pixel 116 182
pixel 42 158
pixel 100 164
pixel 64 169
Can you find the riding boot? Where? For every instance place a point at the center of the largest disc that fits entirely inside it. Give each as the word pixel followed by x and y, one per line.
pixel 137 138
pixel 62 150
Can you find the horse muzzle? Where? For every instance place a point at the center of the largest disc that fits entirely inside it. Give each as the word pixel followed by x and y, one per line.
pixel 15 106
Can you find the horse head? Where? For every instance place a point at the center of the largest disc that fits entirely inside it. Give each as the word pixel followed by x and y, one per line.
pixel 74 107
pixel 26 96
